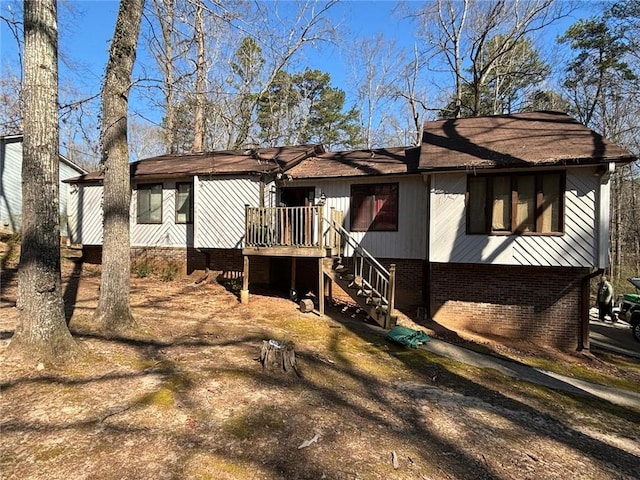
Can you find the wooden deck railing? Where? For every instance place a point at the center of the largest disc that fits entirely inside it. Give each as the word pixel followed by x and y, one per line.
pixel 283 226
pixel 370 274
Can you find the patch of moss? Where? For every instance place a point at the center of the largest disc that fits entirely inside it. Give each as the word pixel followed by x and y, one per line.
pixel 165 397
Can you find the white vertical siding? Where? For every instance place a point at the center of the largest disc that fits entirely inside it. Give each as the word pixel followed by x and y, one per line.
pixel 84 211
pixel 220 210
pixel 11 186
pixel 65 171
pixel 165 234
pixel 410 239
pixel 576 248
pixel 85 219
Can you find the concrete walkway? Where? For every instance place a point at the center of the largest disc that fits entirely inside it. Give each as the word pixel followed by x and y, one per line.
pixel 523 372
pixel 616 337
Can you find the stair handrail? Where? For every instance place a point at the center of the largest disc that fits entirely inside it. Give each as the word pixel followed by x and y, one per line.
pixel 356 246
pixel 387 276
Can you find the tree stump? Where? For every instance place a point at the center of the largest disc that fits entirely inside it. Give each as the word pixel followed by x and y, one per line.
pixel 278 355
pixel 306 305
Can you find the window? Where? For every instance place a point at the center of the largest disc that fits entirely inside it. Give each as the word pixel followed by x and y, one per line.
pixel 374 207
pixel 184 203
pixel 515 203
pixel 150 203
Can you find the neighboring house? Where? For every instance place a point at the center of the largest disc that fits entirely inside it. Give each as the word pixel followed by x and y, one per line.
pixel 495 224
pixel 11 184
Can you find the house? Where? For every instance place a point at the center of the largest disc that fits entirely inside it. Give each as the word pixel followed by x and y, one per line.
pixel 11 184
pixel 494 224
pixel 189 208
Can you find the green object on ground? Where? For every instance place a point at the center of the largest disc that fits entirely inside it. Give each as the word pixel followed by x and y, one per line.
pixel 407 336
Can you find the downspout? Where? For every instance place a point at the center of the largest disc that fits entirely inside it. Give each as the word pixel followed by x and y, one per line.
pixel 426 270
pixel 602 252
pixel 583 333
pixel 196 213
pixel 604 205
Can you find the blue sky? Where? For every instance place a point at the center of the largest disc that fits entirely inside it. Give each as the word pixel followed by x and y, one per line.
pixel 86 27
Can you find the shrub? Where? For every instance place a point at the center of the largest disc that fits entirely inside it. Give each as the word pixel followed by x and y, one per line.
pixel 169 272
pixel 142 269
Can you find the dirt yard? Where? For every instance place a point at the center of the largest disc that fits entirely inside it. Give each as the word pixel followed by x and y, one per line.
pixel 186 398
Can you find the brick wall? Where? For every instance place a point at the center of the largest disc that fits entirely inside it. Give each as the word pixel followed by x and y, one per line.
pixel 409 282
pixel 228 262
pixel 538 304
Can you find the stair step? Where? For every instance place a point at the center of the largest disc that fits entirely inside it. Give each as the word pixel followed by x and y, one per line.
pixel 349 277
pixel 374 301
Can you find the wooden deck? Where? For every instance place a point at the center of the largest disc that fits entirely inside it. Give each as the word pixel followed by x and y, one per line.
pixel 286 232
pixel 303 232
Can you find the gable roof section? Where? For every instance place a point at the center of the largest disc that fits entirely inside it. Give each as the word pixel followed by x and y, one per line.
pixel 384 161
pixel 223 162
pixel 512 141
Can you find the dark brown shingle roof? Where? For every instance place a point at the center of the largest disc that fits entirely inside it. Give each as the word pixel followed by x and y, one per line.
pixel 524 139
pixel 505 141
pixel 382 161
pixel 224 162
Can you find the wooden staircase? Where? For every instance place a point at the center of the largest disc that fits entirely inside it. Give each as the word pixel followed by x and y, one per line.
pixel 361 276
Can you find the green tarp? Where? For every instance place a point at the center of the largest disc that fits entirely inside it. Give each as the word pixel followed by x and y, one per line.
pixel 407 336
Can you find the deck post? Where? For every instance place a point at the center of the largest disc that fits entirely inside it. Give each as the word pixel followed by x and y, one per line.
pixel 244 293
pixel 320 225
pixel 329 288
pixel 247 240
pixel 320 286
pixel 392 294
pixel 293 278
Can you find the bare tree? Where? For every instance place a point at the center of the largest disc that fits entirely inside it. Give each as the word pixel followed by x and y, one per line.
pixel 451 18
pixel 165 14
pixel 42 333
pixel 10 104
pixel 199 123
pixel 145 140
pixel 374 65
pixel 473 37
pixel 114 309
pixel 11 101
pixel 414 97
pixel 308 26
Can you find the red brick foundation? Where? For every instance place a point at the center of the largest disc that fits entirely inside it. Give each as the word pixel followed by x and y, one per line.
pixel 226 261
pixel 538 304
pixel 410 284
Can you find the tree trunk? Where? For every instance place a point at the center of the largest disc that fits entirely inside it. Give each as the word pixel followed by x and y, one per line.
pixel 114 310
pixel 42 334
pixel 165 10
pixel 198 127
